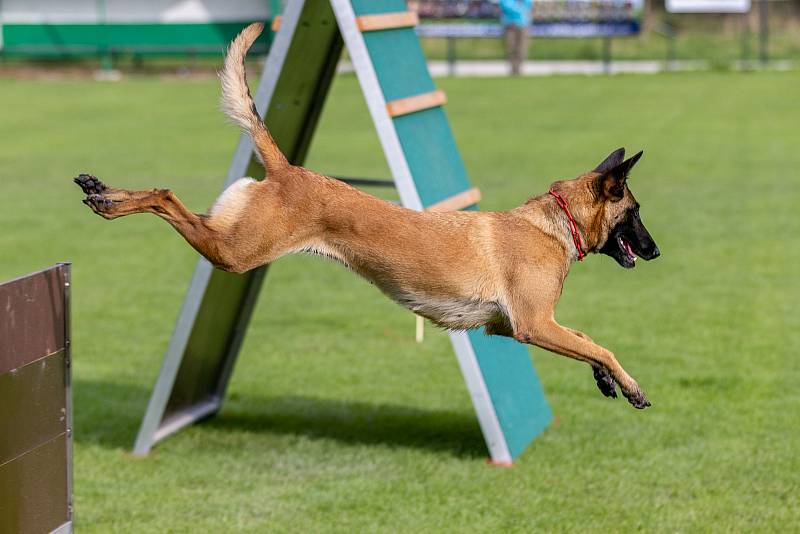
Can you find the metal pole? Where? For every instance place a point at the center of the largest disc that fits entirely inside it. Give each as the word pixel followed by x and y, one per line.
pixel 746 42
pixel 672 49
pixel 451 56
pixel 66 270
pixel 607 54
pixel 763 14
pixel 106 62
pixel 1 30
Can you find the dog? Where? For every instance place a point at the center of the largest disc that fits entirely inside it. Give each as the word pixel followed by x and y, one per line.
pixel 460 269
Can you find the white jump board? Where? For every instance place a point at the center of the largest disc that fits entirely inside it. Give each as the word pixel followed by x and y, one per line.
pixel 708 6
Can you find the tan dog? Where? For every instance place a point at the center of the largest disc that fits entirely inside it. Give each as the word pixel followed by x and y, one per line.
pixel 466 269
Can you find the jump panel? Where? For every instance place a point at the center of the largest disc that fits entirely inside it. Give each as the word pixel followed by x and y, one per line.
pixel 35 411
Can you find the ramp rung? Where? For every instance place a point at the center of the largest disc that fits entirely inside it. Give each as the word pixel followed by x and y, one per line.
pixel 371 23
pixel 387 21
pixel 411 104
pixel 456 202
pixel 365 181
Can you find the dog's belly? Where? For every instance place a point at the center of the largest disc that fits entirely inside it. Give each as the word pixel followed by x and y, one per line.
pixel 452 313
pixel 455 313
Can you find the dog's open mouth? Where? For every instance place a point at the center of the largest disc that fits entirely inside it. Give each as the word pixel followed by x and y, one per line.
pixel 626 249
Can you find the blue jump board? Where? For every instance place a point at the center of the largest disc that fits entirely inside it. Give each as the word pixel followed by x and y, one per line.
pixel 439 173
pixel 514 387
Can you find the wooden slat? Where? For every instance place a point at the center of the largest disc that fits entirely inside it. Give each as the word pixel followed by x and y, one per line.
pixel 404 106
pixel 387 21
pixel 371 23
pixel 457 202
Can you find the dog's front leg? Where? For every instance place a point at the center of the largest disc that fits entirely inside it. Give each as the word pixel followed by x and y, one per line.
pixel 579 334
pixel 605 382
pixel 548 334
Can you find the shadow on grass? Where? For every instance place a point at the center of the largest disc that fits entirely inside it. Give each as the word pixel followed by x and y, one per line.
pixel 108 414
pixel 356 422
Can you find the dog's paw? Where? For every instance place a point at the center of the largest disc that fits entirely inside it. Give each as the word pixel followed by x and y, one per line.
pixel 637 398
pixel 605 382
pixel 90 184
pixel 99 204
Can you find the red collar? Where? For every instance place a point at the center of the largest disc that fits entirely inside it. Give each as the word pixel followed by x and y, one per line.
pixel 573 226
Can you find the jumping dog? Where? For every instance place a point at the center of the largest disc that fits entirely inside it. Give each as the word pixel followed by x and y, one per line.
pixel 461 269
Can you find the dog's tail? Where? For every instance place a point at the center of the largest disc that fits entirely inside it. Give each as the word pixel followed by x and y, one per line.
pixel 238 104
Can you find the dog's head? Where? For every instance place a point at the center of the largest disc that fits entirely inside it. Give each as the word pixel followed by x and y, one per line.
pixel 620 232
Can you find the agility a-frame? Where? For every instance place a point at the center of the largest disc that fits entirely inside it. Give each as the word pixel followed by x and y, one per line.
pixel 428 173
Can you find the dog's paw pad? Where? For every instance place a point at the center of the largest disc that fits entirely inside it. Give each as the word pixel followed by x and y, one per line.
pixel 605 382
pixel 98 203
pixel 90 184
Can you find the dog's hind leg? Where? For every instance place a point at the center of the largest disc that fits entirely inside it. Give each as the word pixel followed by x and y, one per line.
pixel 211 240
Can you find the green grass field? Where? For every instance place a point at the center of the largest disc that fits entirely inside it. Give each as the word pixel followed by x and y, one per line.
pixel 336 419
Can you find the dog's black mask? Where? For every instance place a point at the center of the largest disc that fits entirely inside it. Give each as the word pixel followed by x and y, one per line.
pixel 628 239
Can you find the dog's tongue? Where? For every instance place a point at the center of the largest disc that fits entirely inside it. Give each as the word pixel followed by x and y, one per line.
pixel 628 248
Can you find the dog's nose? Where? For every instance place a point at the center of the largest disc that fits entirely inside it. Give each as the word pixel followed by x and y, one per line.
pixel 656 253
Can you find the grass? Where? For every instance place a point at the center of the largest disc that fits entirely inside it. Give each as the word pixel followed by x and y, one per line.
pixel 336 420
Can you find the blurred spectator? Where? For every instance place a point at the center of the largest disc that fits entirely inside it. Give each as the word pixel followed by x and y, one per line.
pixel 515 15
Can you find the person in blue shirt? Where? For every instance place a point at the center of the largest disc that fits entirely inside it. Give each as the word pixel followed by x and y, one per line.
pixel 515 16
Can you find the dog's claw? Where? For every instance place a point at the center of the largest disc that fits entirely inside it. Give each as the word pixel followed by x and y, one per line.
pixel 90 184
pixel 608 387
pixel 605 382
pixel 637 399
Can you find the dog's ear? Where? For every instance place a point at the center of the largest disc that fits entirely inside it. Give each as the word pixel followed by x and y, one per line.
pixel 628 164
pixel 613 160
pixel 611 183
